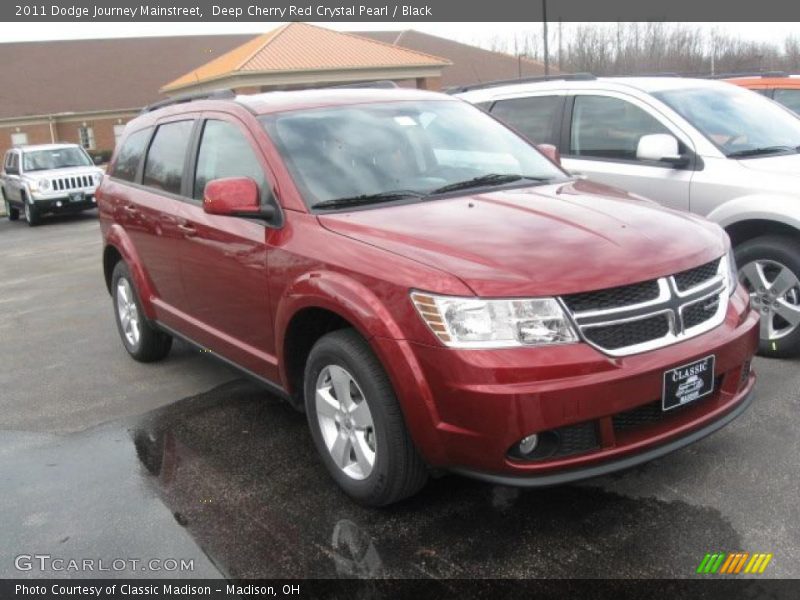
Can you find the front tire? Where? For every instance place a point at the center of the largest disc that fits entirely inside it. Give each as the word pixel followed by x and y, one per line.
pixel 32 217
pixel 143 342
pixel 769 267
pixel 356 422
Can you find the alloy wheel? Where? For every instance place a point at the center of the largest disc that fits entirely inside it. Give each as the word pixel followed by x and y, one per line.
pixel 345 422
pixel 775 293
pixel 128 312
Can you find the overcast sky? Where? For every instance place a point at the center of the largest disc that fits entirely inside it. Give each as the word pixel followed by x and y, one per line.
pixel 476 33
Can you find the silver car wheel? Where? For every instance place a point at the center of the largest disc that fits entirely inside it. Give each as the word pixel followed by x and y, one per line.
pixel 775 293
pixel 128 312
pixel 345 422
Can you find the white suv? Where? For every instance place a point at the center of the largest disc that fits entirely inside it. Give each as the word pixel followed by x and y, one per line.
pixel 706 146
pixel 48 179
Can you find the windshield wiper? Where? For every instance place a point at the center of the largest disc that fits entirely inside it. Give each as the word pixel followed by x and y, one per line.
pixel 761 151
pixel 484 180
pixel 368 199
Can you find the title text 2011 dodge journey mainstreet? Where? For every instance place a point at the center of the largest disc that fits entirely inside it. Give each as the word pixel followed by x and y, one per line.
pixel 426 285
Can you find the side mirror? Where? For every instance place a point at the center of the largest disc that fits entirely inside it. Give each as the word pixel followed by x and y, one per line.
pixel 551 152
pixel 235 197
pixel 660 147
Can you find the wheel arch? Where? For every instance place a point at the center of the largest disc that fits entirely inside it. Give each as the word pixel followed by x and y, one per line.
pixel 118 246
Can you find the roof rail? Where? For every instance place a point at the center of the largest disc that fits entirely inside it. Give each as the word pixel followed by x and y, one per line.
pixel 384 84
pixel 490 84
pixel 223 94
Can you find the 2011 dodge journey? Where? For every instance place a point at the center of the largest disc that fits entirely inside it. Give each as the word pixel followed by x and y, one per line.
pixel 432 290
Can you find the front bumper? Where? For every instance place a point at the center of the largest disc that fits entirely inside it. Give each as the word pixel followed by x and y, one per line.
pixel 482 402
pixel 64 204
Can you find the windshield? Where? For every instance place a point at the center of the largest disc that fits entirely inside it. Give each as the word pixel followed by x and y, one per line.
pixel 739 122
pixel 56 158
pixel 401 149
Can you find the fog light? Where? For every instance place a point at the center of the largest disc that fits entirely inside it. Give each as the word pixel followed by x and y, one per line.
pixel 94 199
pixel 58 203
pixel 528 444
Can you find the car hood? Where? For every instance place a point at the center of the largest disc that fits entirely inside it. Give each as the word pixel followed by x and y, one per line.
pixel 66 172
pixel 785 164
pixel 542 240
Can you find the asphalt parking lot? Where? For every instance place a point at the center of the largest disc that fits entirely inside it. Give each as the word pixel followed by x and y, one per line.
pixel 103 457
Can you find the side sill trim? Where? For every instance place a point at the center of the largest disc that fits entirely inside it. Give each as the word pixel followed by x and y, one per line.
pixel 271 386
pixel 613 466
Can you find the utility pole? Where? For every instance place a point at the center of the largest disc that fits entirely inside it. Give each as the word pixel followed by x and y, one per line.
pixel 546 53
pixel 560 49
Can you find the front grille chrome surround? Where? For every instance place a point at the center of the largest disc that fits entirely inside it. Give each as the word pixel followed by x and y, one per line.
pixel 632 329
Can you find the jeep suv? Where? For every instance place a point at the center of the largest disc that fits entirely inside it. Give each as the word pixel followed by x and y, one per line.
pixel 48 179
pixel 428 287
pixel 692 144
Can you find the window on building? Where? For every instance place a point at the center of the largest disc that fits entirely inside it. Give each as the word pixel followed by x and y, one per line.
pixel 605 127
pixel 130 155
pixel 163 168
pixel 118 130
pixel 86 136
pixel 225 152
pixel 537 118
pixel 19 139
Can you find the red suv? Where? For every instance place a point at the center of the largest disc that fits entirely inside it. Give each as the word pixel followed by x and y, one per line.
pixel 428 287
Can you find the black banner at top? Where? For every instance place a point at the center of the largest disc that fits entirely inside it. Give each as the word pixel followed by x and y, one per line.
pixel 403 10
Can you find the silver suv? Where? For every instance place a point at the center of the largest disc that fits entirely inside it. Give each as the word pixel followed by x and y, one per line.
pixel 48 179
pixel 710 147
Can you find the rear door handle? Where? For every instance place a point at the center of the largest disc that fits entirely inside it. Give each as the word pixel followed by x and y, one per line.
pixel 187 229
pixel 131 208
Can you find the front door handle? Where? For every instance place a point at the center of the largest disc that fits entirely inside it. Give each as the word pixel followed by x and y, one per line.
pixel 131 209
pixel 187 229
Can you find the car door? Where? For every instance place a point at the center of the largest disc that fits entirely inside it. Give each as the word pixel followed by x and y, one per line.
pixel 602 133
pixel 150 211
pixel 224 258
pixel 12 183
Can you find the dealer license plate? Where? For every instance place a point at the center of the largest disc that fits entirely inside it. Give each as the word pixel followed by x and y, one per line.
pixel 688 383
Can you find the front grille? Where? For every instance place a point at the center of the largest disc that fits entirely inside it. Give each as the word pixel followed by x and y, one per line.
pixel 628 333
pixel 652 413
pixel 61 184
pixel 625 295
pixel 693 277
pixel 700 312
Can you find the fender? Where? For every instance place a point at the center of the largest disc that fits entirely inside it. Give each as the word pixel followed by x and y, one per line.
pixel 118 238
pixel 782 209
pixel 357 304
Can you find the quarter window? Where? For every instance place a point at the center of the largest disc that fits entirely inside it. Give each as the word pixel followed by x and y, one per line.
pixel 130 155
pixel 225 152
pixel 611 128
pixel 163 167
pixel 537 118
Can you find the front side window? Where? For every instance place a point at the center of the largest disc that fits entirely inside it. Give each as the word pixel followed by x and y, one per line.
pixel 789 98
pixel 57 158
pixel 605 127
pixel 414 148
pixel 163 168
pixel 740 123
pixel 225 152
pixel 538 118
pixel 126 166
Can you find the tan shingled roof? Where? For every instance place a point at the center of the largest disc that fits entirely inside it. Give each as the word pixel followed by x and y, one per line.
pixel 304 47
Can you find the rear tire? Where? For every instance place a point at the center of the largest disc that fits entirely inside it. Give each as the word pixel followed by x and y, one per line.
pixel 11 212
pixel 143 342
pixel 767 265
pixel 362 421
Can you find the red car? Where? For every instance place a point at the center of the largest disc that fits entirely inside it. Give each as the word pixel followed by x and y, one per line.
pixel 430 288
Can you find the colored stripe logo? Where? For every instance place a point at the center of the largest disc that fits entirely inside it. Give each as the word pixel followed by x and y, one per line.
pixel 721 563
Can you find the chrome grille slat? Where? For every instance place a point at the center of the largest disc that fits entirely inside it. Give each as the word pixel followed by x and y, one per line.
pixel 676 313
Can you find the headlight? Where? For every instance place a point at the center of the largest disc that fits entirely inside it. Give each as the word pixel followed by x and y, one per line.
pixel 98 177
pixel 477 323
pixel 727 268
pixel 44 185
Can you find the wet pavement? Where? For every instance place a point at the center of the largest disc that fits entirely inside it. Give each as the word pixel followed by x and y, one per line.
pixel 228 477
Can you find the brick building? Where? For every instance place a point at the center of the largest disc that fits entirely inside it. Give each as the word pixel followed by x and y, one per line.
pixel 84 91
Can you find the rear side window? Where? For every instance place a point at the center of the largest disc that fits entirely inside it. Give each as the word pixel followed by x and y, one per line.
pixel 605 127
pixel 537 118
pixel 163 168
pixel 789 98
pixel 225 152
pixel 130 155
